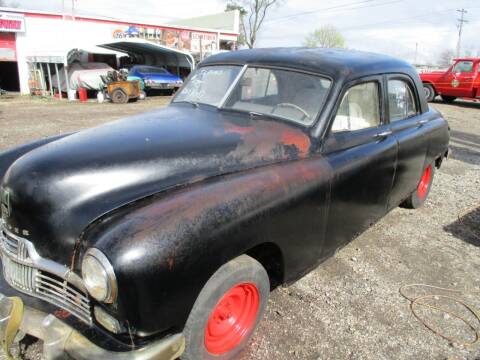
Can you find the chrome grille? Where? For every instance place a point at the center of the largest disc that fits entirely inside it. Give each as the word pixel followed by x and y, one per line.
pixel 27 272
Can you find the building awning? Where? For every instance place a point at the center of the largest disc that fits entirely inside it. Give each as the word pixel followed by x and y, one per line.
pixel 151 53
pixel 66 56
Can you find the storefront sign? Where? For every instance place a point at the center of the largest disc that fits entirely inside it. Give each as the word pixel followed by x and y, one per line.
pixel 195 42
pixel 7 47
pixel 10 22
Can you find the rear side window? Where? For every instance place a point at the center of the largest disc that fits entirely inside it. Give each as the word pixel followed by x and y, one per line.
pixel 359 109
pixel 401 101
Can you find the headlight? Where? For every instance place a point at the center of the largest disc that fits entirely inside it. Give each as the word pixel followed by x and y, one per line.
pixel 98 276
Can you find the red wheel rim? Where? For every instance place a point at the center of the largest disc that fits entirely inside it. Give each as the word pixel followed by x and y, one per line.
pixel 232 319
pixel 424 182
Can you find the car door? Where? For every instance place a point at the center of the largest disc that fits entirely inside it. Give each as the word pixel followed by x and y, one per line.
pixel 459 80
pixel 362 152
pixel 410 129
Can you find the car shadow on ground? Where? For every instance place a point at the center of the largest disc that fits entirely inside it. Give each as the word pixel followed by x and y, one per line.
pixel 465 147
pixel 460 103
pixel 467 227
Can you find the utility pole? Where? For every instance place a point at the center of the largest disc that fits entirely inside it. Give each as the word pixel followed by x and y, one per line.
pixel 461 21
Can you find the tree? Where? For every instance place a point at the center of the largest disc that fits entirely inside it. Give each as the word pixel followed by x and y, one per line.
pixel 446 57
pixel 231 7
pixel 326 37
pixel 252 13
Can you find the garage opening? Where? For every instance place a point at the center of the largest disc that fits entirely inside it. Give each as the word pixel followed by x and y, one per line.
pixel 9 76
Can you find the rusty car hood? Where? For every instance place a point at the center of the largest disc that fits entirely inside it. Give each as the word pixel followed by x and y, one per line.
pixel 55 191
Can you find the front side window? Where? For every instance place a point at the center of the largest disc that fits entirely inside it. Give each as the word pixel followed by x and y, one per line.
pixel 291 95
pixel 463 67
pixel 401 101
pixel 208 85
pixel 359 109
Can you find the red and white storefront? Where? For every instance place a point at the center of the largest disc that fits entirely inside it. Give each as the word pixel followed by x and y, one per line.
pixel 24 34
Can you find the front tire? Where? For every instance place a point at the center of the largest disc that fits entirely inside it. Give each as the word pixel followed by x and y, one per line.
pixel 429 92
pixel 227 311
pixel 419 196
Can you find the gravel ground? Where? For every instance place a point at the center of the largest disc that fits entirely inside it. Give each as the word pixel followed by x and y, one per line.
pixel 350 306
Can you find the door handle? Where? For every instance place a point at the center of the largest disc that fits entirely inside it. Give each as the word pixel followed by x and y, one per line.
pixel 384 133
pixel 422 122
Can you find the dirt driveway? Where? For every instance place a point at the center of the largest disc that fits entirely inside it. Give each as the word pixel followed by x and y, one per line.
pixel 349 307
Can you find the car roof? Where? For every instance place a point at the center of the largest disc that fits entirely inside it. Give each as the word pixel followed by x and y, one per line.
pixel 335 63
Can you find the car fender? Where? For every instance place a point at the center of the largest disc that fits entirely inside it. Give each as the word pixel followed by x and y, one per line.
pixel 164 248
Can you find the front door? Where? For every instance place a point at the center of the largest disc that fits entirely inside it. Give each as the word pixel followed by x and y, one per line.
pixel 459 79
pixel 362 152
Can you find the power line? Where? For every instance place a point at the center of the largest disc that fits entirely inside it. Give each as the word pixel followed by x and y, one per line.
pixel 346 7
pixel 461 21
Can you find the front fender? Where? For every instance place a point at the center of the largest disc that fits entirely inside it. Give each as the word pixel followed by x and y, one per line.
pixel 164 248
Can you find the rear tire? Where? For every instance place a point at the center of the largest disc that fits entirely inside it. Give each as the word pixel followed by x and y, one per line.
pixel 429 92
pixel 227 311
pixel 448 99
pixel 419 196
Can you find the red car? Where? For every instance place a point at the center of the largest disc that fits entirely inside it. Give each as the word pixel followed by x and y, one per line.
pixel 462 79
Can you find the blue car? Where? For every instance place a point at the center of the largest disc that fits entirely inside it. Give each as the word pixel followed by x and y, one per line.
pixel 156 77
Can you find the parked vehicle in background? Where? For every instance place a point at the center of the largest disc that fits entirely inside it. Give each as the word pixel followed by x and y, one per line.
pixel 162 235
pixel 156 78
pixel 461 80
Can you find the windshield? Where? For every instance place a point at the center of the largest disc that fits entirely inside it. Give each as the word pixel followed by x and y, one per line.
pixel 151 70
pixel 291 95
pixel 208 85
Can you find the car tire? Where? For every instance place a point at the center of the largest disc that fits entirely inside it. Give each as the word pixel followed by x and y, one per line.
pixel 419 196
pixel 448 99
pixel 429 92
pixel 227 311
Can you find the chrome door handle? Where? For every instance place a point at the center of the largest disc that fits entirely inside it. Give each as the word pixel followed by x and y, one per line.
pixel 384 133
pixel 422 122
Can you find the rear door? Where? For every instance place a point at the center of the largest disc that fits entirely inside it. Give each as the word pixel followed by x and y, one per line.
pixel 411 131
pixel 362 152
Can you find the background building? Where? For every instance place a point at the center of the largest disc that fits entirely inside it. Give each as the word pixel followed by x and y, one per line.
pixel 29 39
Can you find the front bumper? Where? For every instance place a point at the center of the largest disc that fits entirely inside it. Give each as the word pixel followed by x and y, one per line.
pixel 60 339
pixel 162 86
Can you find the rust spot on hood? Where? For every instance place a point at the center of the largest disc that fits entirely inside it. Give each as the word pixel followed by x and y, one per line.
pixel 297 139
pixel 232 128
pixel 268 141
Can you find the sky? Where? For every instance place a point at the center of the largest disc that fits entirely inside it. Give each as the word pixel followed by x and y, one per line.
pixel 394 27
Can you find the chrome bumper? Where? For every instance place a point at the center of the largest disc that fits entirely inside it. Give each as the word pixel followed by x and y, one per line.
pixel 59 339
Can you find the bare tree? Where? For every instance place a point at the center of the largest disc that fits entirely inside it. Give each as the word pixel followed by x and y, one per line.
pixel 327 36
pixel 231 7
pixel 446 57
pixel 253 13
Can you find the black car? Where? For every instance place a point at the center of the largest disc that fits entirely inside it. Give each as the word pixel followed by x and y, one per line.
pixel 161 235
